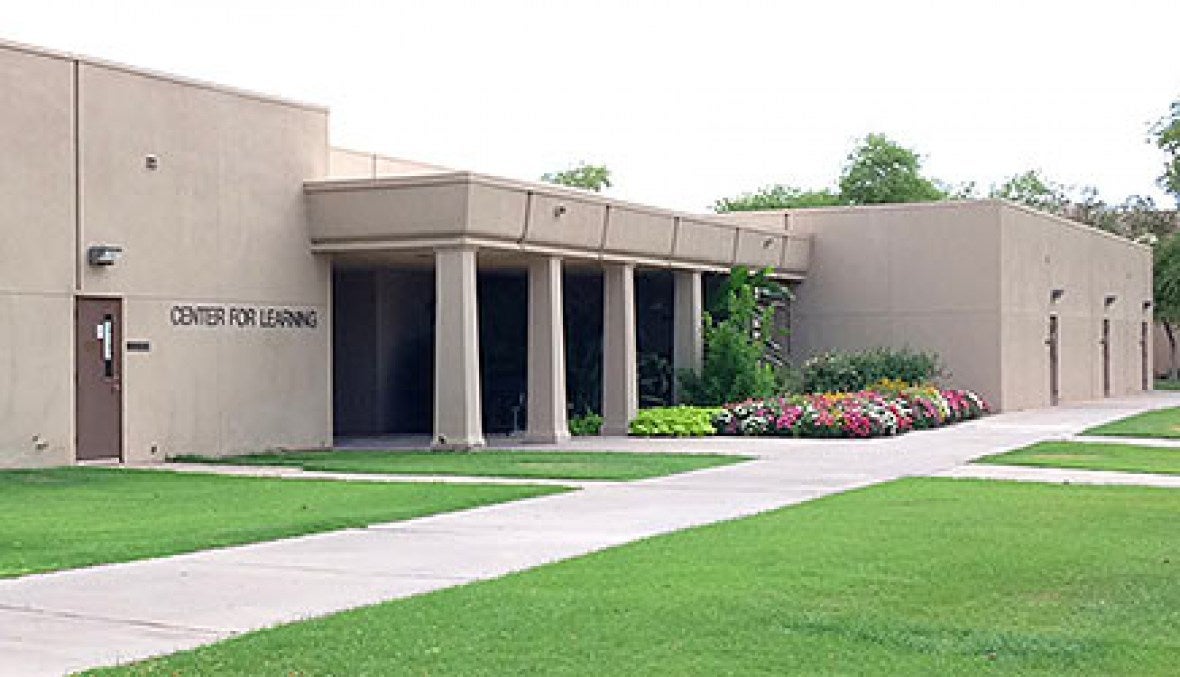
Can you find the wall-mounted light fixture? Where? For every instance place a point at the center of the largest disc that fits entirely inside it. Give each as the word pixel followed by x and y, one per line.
pixel 1146 306
pixel 151 161
pixel 559 211
pixel 768 243
pixel 103 254
pixel 1055 295
pixel 1109 300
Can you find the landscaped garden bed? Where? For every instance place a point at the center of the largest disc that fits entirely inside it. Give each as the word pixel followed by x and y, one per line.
pixel 875 392
pixel 867 413
pixel 889 409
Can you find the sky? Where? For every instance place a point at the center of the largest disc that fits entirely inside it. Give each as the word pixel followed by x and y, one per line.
pixel 684 101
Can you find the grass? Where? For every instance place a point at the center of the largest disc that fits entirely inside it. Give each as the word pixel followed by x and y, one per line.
pixel 521 464
pixel 1166 384
pixel 921 576
pixel 1093 456
pixel 1163 423
pixel 64 518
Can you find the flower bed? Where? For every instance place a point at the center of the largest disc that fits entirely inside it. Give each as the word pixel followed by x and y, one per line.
pixel 681 421
pixel 868 413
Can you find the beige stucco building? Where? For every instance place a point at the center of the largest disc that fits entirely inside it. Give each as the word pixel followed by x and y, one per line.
pixel 189 268
pixel 1027 308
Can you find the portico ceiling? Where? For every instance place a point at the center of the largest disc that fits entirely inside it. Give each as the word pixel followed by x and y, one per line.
pixel 390 214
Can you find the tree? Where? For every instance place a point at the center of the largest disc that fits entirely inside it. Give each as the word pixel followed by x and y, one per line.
pixel 742 360
pixel 1140 219
pixel 1166 288
pixel 881 171
pixel 1033 189
pixel 589 177
pixel 778 196
pixel 1166 135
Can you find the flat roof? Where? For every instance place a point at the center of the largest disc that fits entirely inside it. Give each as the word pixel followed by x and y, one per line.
pixel 949 204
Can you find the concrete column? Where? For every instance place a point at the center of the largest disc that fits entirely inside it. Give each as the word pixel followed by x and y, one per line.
pixel 688 341
pixel 546 369
pixel 620 377
pixel 457 415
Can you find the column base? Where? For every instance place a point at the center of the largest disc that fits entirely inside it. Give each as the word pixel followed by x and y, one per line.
pixel 547 438
pixel 445 443
pixel 615 430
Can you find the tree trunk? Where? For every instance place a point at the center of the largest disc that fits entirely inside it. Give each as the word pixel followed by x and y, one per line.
pixel 1173 368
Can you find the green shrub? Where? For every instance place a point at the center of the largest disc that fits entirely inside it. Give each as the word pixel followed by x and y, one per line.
pixel 740 358
pixel 681 421
pixel 852 372
pixel 586 424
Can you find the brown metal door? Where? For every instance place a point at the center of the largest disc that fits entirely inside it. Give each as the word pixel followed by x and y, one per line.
pixel 99 378
pixel 1105 357
pixel 1054 374
pixel 1144 376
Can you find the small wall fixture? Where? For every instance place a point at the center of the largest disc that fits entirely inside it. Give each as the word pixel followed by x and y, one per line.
pixel 151 161
pixel 1109 300
pixel 768 243
pixel 1146 306
pixel 103 254
pixel 559 211
pixel 1055 295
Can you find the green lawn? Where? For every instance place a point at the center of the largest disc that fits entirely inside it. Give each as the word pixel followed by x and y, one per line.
pixel 1158 423
pixel 71 517
pixel 1092 456
pixel 920 576
pixel 1166 384
pixel 524 464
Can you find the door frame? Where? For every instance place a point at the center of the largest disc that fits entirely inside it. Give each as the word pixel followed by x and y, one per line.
pixel 1054 344
pixel 1105 341
pixel 1144 369
pixel 121 360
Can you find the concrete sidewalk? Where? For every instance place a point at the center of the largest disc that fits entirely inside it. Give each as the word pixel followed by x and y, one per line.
pixel 56 623
pixel 1019 473
pixel 1167 443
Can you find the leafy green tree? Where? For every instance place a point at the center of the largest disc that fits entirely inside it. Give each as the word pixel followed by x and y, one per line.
pixel 589 177
pixel 1166 288
pixel 1033 189
pixel 778 196
pixel 740 358
pixel 1139 218
pixel 1166 135
pixel 880 171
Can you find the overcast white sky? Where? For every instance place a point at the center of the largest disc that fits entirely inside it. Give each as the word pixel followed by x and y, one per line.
pixel 684 101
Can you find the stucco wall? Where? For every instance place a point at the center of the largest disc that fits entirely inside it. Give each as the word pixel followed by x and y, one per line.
pixel 1042 253
pixel 918 276
pixel 220 222
pixel 36 259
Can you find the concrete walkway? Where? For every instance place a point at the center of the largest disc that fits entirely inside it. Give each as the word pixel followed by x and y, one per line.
pixel 291 473
pixel 1135 441
pixel 1018 473
pixel 56 623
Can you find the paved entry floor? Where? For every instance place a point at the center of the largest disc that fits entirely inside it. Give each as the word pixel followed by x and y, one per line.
pixel 59 622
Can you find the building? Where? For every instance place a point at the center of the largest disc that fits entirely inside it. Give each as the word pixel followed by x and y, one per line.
pixel 189 268
pixel 1027 308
